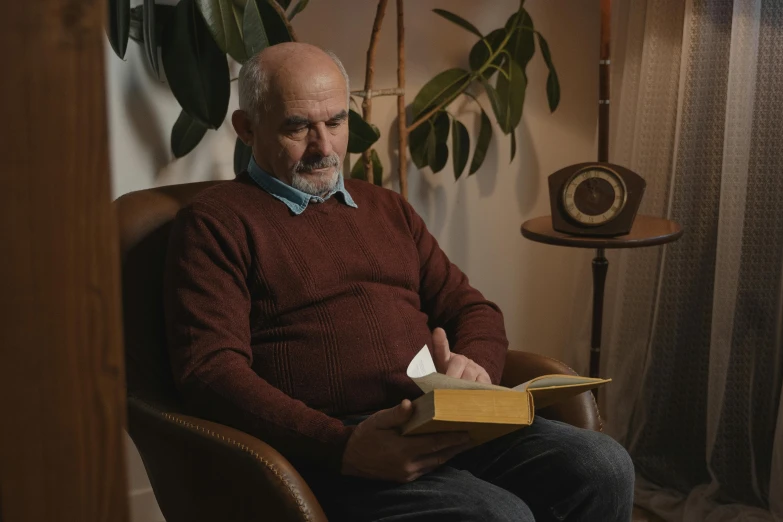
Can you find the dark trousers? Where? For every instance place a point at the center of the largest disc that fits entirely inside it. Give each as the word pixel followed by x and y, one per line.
pixel 549 471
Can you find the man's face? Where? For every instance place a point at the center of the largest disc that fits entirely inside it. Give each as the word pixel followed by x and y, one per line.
pixel 301 137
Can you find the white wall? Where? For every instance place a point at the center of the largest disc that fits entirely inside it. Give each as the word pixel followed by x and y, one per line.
pixel 544 291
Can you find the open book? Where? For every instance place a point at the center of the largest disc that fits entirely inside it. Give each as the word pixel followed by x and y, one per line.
pixel 486 411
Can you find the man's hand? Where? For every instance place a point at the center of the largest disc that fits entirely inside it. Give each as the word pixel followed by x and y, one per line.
pixel 454 364
pixel 376 449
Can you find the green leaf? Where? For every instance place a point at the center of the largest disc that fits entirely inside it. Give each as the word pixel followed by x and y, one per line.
pixel 481 51
pixel 263 27
pixel 150 35
pixel 513 145
pixel 225 26
pixel 298 8
pixel 444 86
pixel 361 135
pixel 511 96
pixel 437 153
pixel 357 171
pixel 284 4
pixel 118 26
pixel 256 39
pixel 441 126
pixel 495 101
pixel 242 155
pixel 482 144
pixel 195 66
pixel 451 17
pixel 437 149
pixel 441 157
pixel 428 140
pixel 432 148
pixel 136 29
pixel 163 16
pixel 186 134
pixel 552 83
pixel 417 141
pixel 522 44
pixel 460 147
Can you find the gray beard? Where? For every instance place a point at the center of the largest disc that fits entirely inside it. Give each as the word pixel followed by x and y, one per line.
pixel 319 186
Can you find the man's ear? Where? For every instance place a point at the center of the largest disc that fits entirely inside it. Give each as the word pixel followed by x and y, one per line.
pixel 243 126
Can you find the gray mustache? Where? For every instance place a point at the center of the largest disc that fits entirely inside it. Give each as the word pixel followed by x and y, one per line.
pixel 318 163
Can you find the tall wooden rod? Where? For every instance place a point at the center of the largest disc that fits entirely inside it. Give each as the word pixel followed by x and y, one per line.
pixel 368 80
pixel 604 81
pixel 62 391
pixel 402 131
pixel 600 263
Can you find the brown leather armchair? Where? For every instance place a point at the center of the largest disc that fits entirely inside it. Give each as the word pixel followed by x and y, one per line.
pixel 201 470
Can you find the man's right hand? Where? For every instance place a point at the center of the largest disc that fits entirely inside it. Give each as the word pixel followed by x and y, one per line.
pixel 376 449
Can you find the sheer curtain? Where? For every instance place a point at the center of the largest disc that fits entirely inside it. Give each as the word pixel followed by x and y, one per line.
pixel 695 333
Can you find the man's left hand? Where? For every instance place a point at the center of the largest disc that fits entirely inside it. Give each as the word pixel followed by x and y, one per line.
pixel 454 364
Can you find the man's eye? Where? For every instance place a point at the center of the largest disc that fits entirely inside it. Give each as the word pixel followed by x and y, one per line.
pixel 334 124
pixel 298 130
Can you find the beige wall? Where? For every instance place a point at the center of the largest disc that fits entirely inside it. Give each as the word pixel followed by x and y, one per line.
pixel 544 291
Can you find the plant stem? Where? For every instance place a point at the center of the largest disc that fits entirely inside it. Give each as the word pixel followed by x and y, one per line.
pixel 368 78
pixel 287 23
pixel 392 91
pixel 402 132
pixel 471 78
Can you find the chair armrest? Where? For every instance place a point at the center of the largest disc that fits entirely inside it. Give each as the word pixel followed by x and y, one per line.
pixel 580 411
pixel 202 471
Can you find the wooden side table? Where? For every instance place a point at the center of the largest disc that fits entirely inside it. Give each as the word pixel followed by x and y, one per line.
pixel 646 231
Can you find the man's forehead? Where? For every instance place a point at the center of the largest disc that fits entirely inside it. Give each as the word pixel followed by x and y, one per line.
pixel 307 117
pixel 322 103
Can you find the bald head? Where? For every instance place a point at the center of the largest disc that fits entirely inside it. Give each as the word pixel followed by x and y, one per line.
pixel 293 111
pixel 277 67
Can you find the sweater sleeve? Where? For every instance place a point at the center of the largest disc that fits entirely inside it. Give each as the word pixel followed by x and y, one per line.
pixel 207 302
pixel 473 325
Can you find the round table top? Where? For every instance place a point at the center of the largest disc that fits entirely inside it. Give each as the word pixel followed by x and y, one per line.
pixel 646 231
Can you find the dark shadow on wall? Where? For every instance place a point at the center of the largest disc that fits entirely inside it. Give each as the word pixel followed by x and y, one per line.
pixel 144 119
pixel 528 175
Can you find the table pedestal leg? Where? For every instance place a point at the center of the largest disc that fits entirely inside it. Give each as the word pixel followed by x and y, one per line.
pixel 600 267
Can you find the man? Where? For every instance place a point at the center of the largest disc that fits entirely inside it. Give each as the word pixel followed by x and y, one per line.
pixel 296 299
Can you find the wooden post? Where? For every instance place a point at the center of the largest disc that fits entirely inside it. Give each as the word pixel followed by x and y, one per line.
pixel 368 80
pixel 604 67
pixel 402 131
pixel 600 263
pixel 61 362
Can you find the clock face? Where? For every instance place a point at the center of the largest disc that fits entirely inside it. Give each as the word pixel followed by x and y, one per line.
pixel 594 196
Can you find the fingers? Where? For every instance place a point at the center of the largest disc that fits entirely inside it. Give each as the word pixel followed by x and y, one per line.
pixel 432 461
pixel 471 372
pixel 483 376
pixel 392 417
pixel 419 446
pixel 440 350
pixel 457 366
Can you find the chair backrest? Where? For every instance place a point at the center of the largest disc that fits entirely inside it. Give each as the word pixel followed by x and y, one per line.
pixel 144 219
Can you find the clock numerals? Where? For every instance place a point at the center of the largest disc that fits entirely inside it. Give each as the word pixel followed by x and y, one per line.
pixel 594 196
pixel 594 199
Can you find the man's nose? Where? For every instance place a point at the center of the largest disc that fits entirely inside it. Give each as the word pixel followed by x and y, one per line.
pixel 319 141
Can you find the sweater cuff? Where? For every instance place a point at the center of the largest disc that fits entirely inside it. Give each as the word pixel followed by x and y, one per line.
pixel 333 456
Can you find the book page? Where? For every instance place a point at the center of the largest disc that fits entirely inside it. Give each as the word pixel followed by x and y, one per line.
pixel 422 364
pixel 422 370
pixel 548 381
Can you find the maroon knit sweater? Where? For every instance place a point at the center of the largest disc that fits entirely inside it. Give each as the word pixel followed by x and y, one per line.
pixel 279 323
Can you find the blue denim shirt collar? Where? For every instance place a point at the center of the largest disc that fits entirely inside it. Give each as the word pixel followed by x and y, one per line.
pixel 294 199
